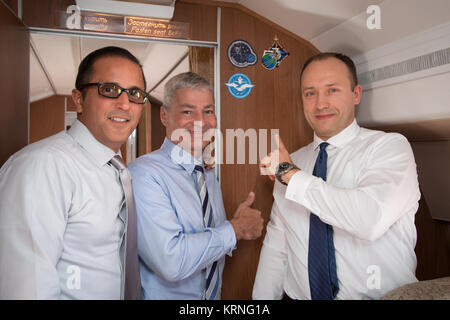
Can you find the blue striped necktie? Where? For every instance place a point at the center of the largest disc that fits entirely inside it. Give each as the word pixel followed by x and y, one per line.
pixel 323 280
pixel 212 271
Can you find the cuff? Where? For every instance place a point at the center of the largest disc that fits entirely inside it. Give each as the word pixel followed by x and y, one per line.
pixel 297 186
pixel 228 236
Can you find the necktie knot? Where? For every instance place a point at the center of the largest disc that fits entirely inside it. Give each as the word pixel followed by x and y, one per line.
pixel 199 168
pixel 323 146
pixel 117 162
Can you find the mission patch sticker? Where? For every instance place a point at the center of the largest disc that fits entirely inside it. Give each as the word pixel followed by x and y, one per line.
pixel 241 54
pixel 273 56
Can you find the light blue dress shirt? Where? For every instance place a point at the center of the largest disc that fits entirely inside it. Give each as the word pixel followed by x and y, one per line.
pixel 174 246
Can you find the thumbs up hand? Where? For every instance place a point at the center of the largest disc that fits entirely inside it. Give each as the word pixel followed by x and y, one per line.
pixel 247 222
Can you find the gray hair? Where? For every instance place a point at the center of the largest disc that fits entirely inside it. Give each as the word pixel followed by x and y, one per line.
pixel 188 80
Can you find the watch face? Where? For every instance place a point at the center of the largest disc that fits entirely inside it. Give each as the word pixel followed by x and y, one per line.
pixel 284 165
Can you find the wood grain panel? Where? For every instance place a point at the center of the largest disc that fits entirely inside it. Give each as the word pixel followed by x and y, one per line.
pixel 273 25
pixel 13 5
pixel 274 103
pixel 158 131
pixel 43 13
pixel 15 66
pixel 47 117
pixel 202 19
pixel 144 130
pixel 433 245
pixel 201 61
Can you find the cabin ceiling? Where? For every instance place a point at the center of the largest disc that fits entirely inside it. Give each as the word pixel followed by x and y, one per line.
pixel 54 61
pixel 327 24
pixel 306 18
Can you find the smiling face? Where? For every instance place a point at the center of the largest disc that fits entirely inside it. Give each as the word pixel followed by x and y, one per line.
pixel 192 112
pixel 328 98
pixel 111 121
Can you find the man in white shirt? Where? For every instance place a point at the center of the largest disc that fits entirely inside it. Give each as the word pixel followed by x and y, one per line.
pixel 365 200
pixel 63 218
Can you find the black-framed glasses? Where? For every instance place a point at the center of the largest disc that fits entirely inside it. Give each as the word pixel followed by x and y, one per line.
pixel 113 90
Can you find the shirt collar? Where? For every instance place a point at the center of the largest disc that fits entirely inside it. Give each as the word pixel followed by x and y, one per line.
pixel 100 153
pixel 179 156
pixel 342 138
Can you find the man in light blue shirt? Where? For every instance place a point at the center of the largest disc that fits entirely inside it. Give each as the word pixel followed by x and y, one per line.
pixel 180 255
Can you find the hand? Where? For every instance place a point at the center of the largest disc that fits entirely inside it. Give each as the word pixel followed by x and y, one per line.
pixel 268 165
pixel 210 164
pixel 247 222
pixel 209 153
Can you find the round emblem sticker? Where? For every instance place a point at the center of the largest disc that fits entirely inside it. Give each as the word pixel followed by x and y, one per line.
pixel 239 85
pixel 241 54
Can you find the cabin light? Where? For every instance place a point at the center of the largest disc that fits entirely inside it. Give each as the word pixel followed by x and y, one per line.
pixel 125 8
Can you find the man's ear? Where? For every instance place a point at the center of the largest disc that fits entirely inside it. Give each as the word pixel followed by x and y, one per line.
pixel 357 92
pixel 77 98
pixel 163 115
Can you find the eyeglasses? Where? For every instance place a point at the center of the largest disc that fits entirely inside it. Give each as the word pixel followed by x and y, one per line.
pixel 113 90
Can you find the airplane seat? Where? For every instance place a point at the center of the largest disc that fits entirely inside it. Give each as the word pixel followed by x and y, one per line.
pixel 435 289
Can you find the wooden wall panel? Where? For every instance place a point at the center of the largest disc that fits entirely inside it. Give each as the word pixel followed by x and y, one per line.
pixel 43 13
pixel 201 61
pixel 15 66
pixel 13 5
pixel 47 117
pixel 433 245
pixel 144 136
pixel 274 103
pixel 202 20
pixel 158 130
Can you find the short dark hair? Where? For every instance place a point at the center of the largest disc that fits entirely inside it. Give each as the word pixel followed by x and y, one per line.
pixel 342 57
pixel 85 69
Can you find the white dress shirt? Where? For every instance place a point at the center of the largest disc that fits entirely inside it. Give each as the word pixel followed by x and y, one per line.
pixel 60 227
pixel 370 198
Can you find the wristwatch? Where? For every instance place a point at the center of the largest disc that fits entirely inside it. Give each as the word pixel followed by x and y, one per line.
pixel 284 167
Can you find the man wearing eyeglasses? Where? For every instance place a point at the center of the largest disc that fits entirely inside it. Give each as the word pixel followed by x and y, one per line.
pixel 67 228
